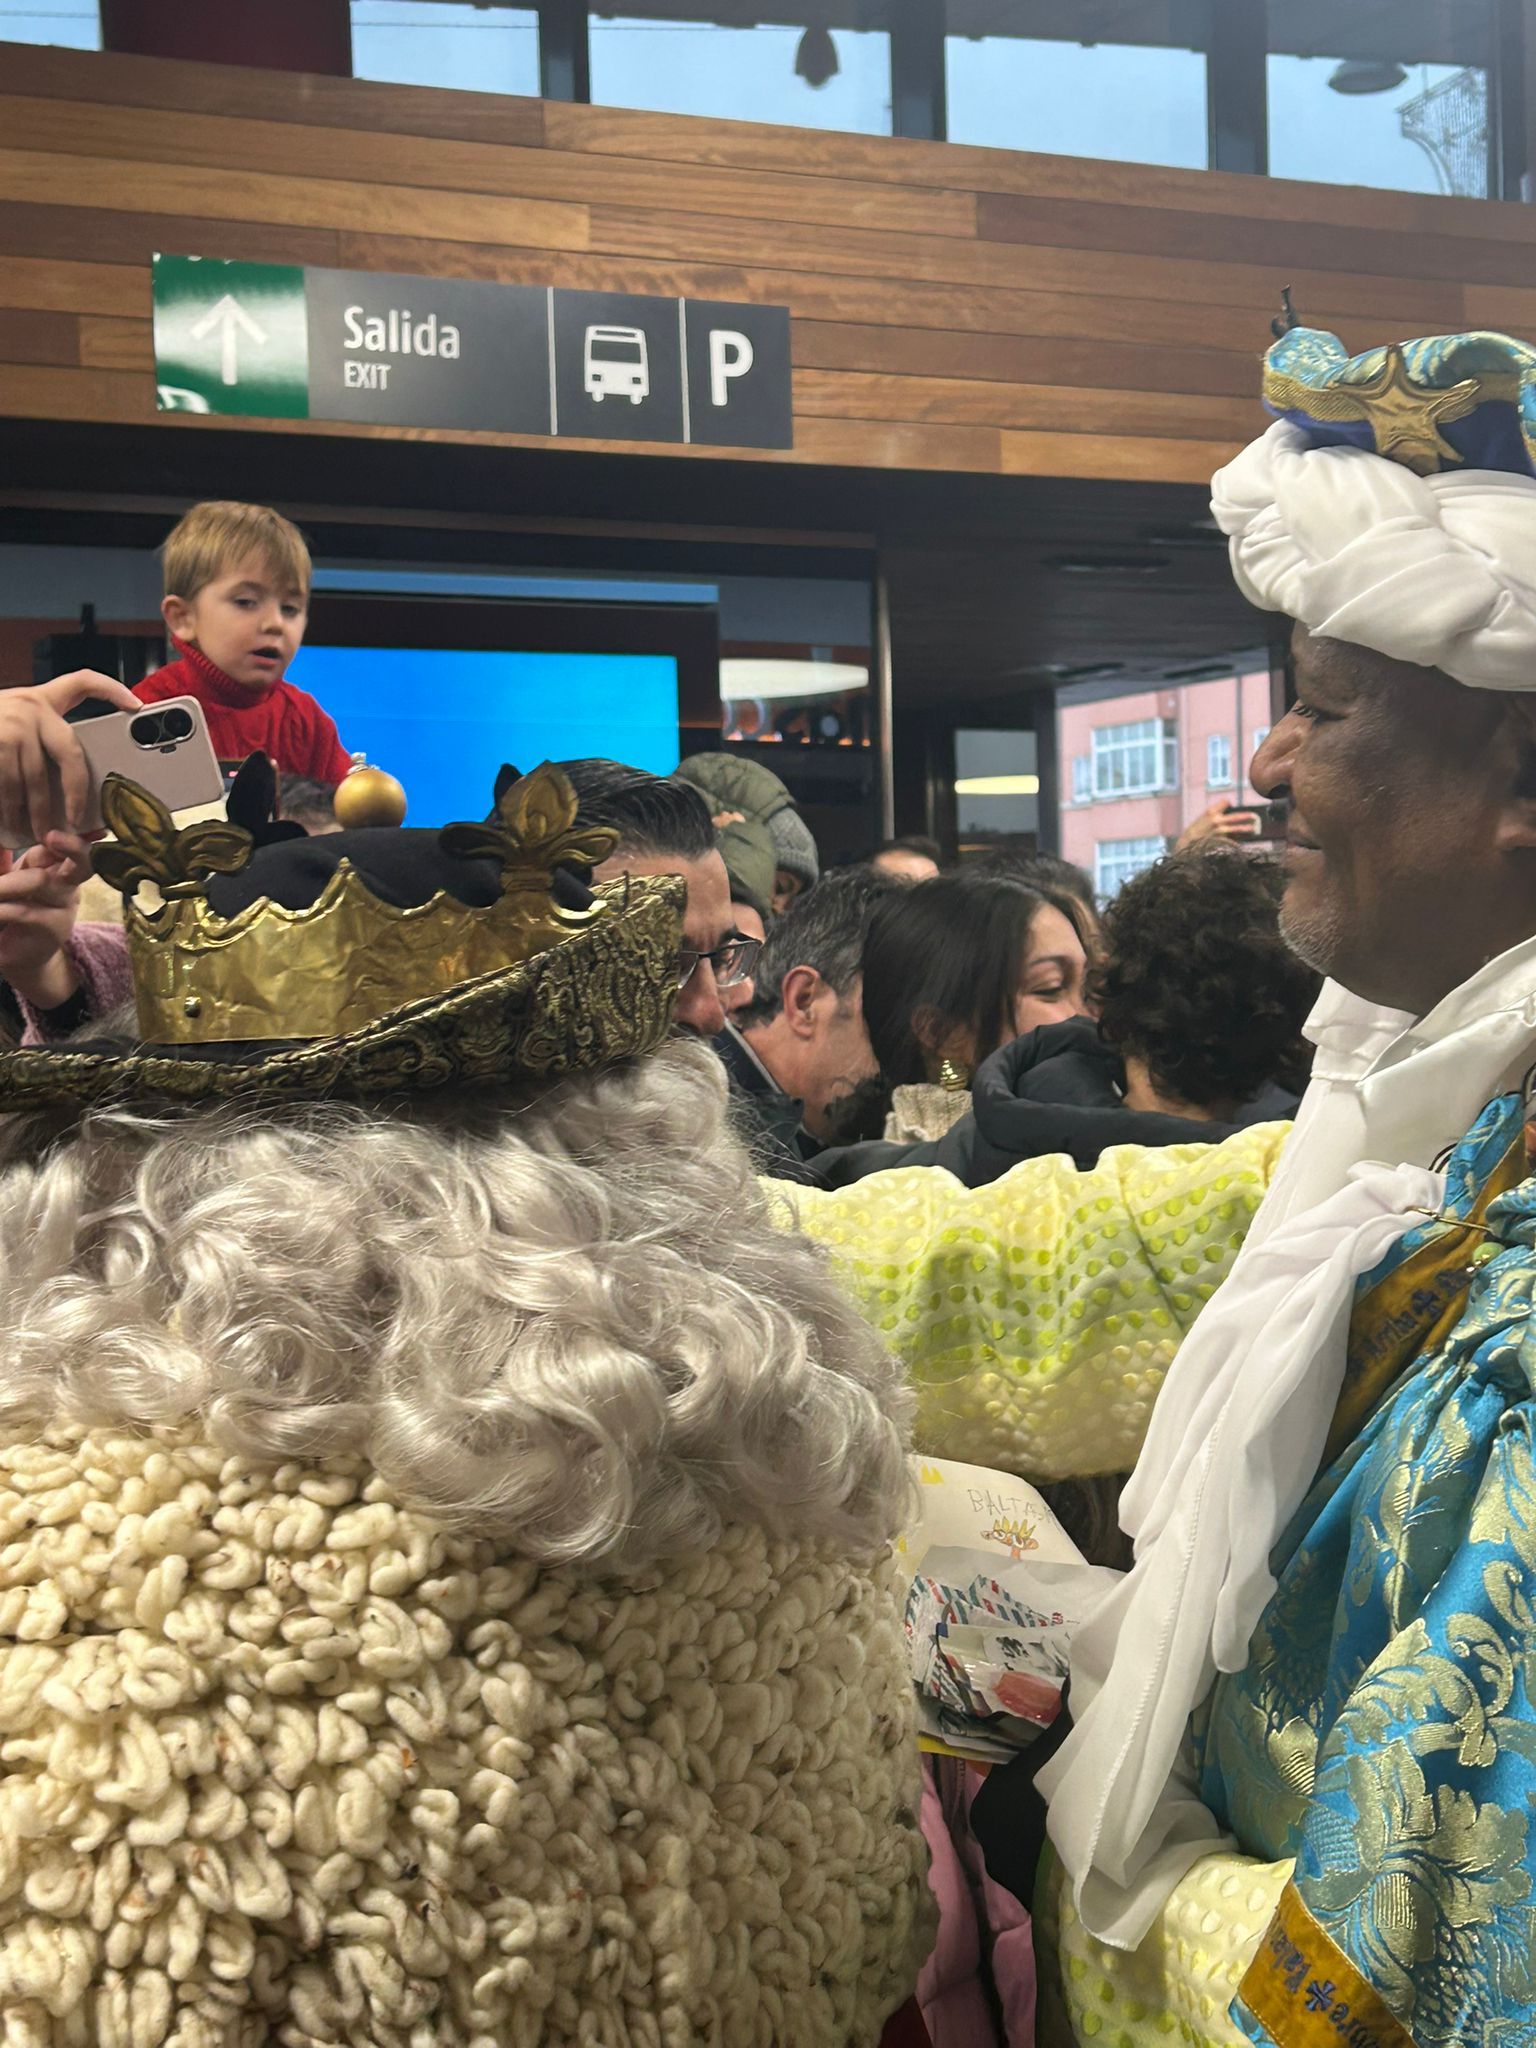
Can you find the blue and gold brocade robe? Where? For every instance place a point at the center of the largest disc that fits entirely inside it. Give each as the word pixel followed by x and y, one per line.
pixel 1383 1733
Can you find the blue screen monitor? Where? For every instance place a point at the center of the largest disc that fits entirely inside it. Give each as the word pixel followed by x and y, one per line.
pixel 444 719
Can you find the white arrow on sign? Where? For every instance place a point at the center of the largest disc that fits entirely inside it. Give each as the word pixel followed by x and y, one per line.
pixel 229 316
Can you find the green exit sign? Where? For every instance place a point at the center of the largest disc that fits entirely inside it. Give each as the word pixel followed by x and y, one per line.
pixel 231 337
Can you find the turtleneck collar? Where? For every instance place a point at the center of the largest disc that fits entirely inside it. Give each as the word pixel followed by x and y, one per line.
pixel 211 678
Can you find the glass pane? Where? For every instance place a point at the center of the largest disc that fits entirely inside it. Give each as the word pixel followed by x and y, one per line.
pixel 441 42
pixel 1150 773
pixel 1115 861
pixel 997 789
pixel 797 700
pixel 801 76
pixel 1393 96
pixel 74 26
pixel 1124 81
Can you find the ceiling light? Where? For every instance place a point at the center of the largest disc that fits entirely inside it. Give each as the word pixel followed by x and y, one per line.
pixel 1200 672
pixel 1200 533
pixel 1084 672
pixel 998 785
pixel 1359 75
pixel 816 57
pixel 790 681
pixel 1106 565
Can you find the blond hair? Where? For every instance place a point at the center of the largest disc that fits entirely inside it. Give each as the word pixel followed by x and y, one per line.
pixel 214 536
pixel 563 1319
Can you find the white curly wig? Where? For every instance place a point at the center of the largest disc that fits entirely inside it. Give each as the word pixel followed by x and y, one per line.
pixel 563 1319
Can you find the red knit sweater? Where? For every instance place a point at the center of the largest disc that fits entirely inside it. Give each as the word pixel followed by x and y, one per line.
pixel 282 722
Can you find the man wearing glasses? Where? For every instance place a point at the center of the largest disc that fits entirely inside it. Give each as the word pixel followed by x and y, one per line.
pixel 664 828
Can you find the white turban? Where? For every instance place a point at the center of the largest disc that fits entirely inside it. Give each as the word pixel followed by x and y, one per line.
pixel 1435 570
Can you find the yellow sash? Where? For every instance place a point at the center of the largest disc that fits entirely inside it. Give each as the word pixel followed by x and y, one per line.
pixel 1414 1308
pixel 1306 1993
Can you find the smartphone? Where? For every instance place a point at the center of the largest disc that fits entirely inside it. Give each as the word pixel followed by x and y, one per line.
pixel 164 748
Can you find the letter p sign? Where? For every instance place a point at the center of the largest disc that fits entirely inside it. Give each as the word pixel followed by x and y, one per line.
pixel 738 369
pixel 730 356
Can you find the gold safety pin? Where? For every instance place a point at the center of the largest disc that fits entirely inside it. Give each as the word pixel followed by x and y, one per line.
pixel 1455 1222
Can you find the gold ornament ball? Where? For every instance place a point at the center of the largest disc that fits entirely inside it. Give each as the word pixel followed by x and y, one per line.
pixel 369 797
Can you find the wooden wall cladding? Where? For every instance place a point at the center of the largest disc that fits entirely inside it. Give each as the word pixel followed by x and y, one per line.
pixel 953 308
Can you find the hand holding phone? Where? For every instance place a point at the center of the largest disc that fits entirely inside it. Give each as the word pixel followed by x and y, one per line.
pixel 44 778
pixel 1220 820
pixel 163 747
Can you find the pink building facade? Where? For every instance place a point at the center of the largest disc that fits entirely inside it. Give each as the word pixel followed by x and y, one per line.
pixel 1136 769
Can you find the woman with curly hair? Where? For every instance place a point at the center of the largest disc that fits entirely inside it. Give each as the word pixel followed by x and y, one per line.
pixel 1198 992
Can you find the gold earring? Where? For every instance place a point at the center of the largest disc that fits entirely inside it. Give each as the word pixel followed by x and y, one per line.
pixel 954 1077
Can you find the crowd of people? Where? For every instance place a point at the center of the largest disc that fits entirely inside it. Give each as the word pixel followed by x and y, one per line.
pixel 469 1300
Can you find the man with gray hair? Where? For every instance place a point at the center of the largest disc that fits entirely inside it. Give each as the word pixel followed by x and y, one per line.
pixel 799 1048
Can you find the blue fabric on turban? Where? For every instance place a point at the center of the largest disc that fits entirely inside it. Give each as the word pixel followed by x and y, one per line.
pixel 1451 401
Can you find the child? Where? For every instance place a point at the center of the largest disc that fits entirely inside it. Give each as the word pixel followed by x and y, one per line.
pixel 236 601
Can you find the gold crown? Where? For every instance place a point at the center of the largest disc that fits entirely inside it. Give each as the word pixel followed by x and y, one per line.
pixel 348 959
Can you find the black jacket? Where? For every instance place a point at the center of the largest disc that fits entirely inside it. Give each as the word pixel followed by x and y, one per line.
pixel 1056 1090
pixel 765 1118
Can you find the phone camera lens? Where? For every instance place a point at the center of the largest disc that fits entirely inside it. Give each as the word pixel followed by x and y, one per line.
pixel 160 729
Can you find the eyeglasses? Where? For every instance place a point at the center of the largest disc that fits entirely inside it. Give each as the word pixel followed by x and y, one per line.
pixel 732 961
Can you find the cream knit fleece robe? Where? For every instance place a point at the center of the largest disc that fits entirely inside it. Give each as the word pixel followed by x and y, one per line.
pixel 284 1764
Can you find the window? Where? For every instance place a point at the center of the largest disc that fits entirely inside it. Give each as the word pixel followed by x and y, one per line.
pixel 1135 760
pixel 1393 93
pixel 1258 740
pixel 1218 761
pixel 1116 860
pixel 1100 78
pixel 447 42
pixel 1082 779
pixel 674 57
pixel 69 24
